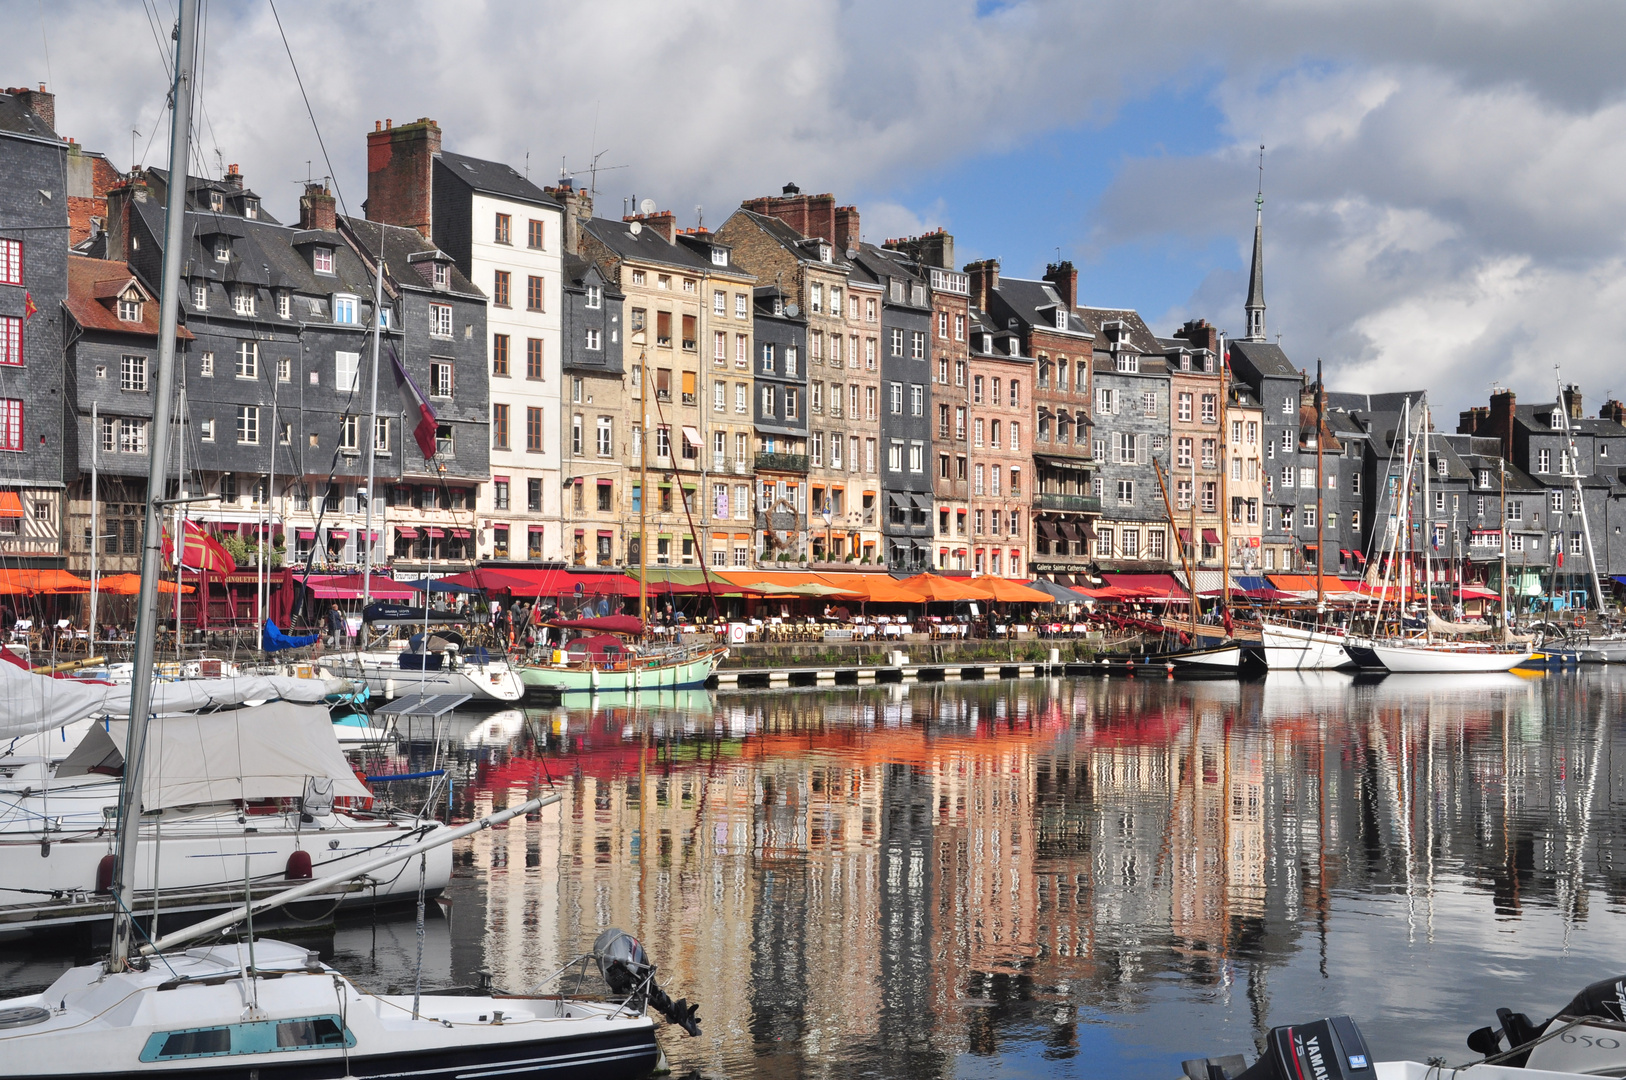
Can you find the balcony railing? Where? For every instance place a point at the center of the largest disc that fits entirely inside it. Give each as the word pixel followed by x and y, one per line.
pixel 1083 504
pixel 796 463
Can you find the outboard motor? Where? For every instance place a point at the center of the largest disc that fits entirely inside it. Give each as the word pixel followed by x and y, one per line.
pixel 1604 999
pixel 1330 1049
pixel 627 970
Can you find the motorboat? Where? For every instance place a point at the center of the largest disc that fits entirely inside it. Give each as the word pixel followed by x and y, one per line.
pixel 479 674
pixel 1586 1038
pixel 1609 649
pixel 285 806
pixel 1288 647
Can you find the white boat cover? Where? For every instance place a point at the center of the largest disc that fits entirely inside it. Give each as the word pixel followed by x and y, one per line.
pixel 262 752
pixel 31 703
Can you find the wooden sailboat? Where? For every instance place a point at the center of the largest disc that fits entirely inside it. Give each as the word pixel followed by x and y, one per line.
pixel 264 1008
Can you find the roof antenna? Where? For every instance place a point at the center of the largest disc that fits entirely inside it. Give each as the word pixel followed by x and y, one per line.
pixel 527 164
pixel 699 216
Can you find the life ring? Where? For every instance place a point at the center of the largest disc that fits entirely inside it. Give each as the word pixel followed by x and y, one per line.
pixel 1580 621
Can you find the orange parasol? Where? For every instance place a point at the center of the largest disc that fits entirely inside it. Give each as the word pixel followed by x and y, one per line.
pixel 130 584
pixel 1011 592
pixel 935 587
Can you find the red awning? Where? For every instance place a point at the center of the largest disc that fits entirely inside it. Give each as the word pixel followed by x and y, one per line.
pixel 434 534
pixel 338 534
pixel 536 528
pixel 527 582
pixel 1360 557
pixel 1146 585
pixel 348 587
pixel 405 533
pixel 1211 537
pixel 306 534
pixel 460 534
pixel 1185 536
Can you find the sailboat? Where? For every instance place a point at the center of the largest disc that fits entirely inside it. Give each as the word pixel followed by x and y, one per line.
pixel 1427 653
pixel 262 1008
pixel 1318 647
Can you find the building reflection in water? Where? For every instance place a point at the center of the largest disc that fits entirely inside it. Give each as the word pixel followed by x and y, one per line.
pixel 914 875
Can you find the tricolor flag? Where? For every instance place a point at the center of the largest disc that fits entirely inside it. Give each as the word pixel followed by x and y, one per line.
pixel 416 403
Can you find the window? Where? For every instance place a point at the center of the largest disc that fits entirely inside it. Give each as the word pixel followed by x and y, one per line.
pixel 768 402
pixel 499 354
pixel 440 320
pixel 895 397
pixel 1125 447
pixel 440 378
pixel 533 293
pixel 200 297
pixel 1129 363
pixel 576 435
pixel 1182 452
pixel 1210 409
pixel 346 372
pixel 917 400
pixel 11 262
pixel 502 289
pixel 1210 452
pixel 663 441
pixel 502 232
pixel 917 345
pixel 533 358
pixel 248 425
pixel 1308 517
pixel 976 432
pixel 1106 401
pixel 133 373
pixel 894 457
pixel 206 432
pixel 533 430
pixel 536 238
pixel 917 461
pixel 897 342
pixel 132 437
pixel 349 433
pixel 248 360
pixel 1184 407
pixel 594 339
pixel 790 403
pixel 1126 492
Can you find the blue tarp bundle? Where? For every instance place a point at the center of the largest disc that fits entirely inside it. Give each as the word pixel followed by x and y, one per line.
pixel 274 640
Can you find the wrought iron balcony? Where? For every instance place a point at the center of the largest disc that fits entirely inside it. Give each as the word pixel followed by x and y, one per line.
pixel 1082 504
pixel 796 463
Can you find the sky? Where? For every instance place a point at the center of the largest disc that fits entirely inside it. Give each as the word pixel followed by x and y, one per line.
pixel 1443 204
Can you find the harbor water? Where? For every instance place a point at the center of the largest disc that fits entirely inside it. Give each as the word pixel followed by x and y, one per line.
pixel 1090 877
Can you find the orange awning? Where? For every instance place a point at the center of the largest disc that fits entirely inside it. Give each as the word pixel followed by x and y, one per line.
pixel 939 588
pixel 130 584
pixel 41 581
pixel 1306 583
pixel 1010 591
pixel 10 505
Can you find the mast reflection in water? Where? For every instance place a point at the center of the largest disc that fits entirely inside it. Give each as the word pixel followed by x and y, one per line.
pixel 1085 878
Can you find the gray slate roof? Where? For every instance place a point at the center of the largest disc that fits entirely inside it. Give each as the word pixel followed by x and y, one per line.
pixel 1266 358
pixel 399 245
pixel 495 177
pixel 647 246
pixel 14 116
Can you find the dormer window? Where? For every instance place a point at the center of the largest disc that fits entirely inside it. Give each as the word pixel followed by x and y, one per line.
pixel 222 249
pixel 1061 318
pixel 1208 362
pixel 595 297
pixel 322 260
pixel 779 305
pixel 216 202
pixel 251 209
pixel 1440 466
pixel 1185 361
pixel 1484 478
pixel 1129 363
pixel 441 275
pixel 824 253
pixel 719 256
pixel 344 309
pixel 1558 418
pixel 384 318
pixel 242 301
pixel 917 295
pixel 285 307
pixel 987 343
pixel 1014 346
pixel 200 296
pixel 130 307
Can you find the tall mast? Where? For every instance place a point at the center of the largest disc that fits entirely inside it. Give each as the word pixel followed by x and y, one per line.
pixel 1428 524
pixel 95 531
pixel 1580 501
pixel 1225 491
pixel 179 546
pixel 129 819
pixel 643 491
pixel 370 441
pixel 1501 469
pixel 1320 488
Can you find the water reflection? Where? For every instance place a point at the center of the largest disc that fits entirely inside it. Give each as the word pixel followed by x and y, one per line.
pixel 1089 877
pixel 1097 877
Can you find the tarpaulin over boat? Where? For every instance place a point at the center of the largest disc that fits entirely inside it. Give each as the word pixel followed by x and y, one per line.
pixel 262 752
pixel 602 647
pixel 30 703
pixel 607 624
pixel 274 640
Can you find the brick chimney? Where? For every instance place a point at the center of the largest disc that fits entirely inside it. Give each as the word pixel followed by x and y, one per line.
pixel 233 178
pixel 1472 421
pixel 578 204
pixel 1499 424
pixel 1572 401
pixel 39 102
pixel 1065 278
pixel 119 198
pixel 316 208
pixel 1201 334
pixel 1613 410
pixel 664 222
pixel 932 249
pixel 810 215
pixel 847 233
pixel 984 281
pixel 400 163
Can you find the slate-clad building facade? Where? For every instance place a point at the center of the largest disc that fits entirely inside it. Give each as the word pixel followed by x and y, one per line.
pixel 594 372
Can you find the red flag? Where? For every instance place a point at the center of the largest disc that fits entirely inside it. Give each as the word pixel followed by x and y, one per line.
pixel 417 404
pixel 30 309
pixel 201 552
pixel 1560 564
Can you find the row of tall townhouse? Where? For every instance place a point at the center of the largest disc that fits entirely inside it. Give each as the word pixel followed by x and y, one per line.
pixel 775 391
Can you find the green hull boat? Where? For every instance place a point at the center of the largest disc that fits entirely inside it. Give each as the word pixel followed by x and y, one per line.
pixel 686 670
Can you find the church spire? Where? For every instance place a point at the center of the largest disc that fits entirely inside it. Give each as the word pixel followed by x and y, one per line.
pixel 1255 306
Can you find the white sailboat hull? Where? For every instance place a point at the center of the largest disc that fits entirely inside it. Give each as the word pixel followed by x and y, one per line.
pixel 493 680
pixel 1296 648
pixel 1443 659
pixel 1223 658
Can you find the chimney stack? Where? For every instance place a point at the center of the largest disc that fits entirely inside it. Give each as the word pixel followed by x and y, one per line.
pixel 933 249
pixel 1065 278
pixel 984 281
pixel 663 222
pixel 1500 422
pixel 1201 334
pixel 1613 410
pixel 316 208
pixel 1572 401
pixel 810 215
pixel 233 178
pixel 39 102
pixel 400 163
pixel 578 204
pixel 847 234
pixel 1471 421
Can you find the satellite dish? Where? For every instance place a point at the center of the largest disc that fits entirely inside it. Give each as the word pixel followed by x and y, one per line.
pixel 852 253
pixel 635 228
pixel 647 206
pixel 792 310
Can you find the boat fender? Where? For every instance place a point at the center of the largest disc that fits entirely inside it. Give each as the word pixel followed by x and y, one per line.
pixel 299 866
pixel 104 874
